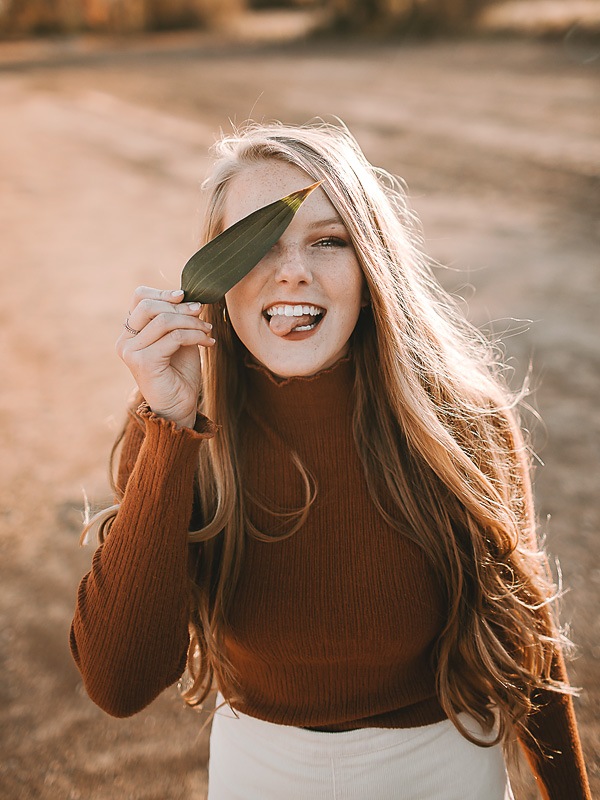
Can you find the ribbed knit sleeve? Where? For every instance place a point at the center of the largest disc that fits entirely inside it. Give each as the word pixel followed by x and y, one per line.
pixel 129 635
pixel 557 758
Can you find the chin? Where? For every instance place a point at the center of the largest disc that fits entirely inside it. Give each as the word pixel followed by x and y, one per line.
pixel 299 367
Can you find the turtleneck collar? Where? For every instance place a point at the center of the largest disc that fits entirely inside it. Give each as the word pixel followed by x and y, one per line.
pixel 300 400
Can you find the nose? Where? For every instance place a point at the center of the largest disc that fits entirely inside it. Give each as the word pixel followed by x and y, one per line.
pixel 291 266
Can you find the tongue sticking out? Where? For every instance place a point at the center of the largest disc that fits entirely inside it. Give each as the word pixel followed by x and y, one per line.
pixel 281 325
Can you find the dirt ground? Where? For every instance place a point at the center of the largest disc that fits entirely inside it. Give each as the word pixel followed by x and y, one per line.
pixel 102 151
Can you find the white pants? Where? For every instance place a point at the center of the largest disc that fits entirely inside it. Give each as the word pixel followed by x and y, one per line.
pixel 255 760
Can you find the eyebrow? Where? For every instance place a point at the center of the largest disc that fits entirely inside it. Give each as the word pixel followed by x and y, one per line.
pixel 322 223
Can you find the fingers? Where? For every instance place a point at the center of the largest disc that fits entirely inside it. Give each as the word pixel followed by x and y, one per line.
pixel 140 299
pixel 163 348
pixel 158 315
pixel 164 335
pixel 149 309
pixel 172 296
pixel 168 323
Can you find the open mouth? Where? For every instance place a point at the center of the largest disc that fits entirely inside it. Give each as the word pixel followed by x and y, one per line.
pixel 285 319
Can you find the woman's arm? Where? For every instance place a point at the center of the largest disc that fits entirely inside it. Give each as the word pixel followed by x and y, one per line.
pixel 554 753
pixel 556 757
pixel 129 636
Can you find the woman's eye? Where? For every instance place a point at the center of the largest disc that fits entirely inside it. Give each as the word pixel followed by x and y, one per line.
pixel 331 241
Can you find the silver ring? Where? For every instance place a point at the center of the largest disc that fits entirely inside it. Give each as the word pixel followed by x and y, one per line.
pixel 128 327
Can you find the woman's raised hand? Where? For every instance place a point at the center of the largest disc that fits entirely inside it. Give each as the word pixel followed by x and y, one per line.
pixel 159 345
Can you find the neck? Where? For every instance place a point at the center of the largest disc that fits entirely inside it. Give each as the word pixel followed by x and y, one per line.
pixel 299 400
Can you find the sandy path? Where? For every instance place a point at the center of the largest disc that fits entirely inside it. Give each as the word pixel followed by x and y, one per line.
pixel 100 163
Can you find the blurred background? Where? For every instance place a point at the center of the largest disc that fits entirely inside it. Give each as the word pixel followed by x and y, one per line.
pixel 488 110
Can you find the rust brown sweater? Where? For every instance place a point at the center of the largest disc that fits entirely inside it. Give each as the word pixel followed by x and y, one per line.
pixel 332 628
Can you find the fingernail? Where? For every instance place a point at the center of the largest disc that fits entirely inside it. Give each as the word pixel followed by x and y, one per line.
pixel 211 340
pixel 194 306
pixel 177 293
pixel 209 325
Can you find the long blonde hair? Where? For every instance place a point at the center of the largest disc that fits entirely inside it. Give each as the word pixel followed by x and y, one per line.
pixel 436 429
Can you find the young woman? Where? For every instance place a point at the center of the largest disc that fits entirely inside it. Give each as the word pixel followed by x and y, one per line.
pixel 324 509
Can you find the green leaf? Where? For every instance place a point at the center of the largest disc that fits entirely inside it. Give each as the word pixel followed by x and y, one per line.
pixel 226 259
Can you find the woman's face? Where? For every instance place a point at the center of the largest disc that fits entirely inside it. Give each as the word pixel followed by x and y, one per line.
pixel 296 310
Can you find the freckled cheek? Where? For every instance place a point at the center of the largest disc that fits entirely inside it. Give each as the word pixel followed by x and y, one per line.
pixel 356 294
pixel 346 322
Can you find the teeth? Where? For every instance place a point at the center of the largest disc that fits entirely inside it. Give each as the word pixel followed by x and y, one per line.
pixel 293 311
pixel 304 327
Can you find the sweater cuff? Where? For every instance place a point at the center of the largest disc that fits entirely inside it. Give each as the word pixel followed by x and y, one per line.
pixel 204 428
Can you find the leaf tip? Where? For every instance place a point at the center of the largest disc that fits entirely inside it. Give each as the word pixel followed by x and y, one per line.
pixel 295 199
